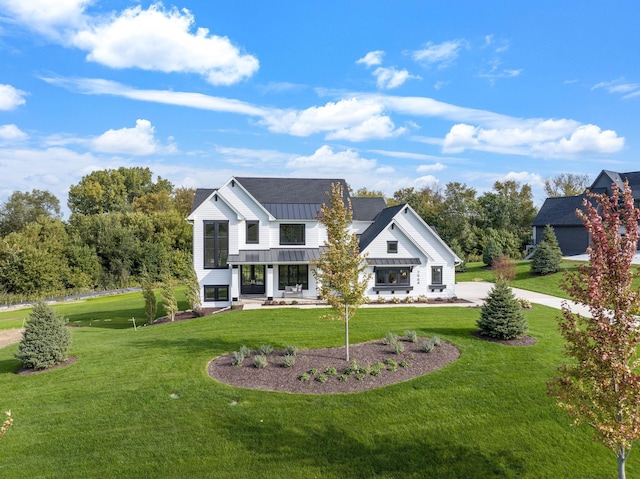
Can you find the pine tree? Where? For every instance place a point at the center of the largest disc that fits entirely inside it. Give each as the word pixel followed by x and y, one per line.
pixel 340 268
pixel 491 251
pixel 547 255
pixel 45 341
pixel 501 316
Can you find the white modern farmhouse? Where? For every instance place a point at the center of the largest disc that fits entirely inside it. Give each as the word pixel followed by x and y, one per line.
pixel 257 237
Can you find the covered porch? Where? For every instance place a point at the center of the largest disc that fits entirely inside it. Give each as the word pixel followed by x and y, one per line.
pixel 267 275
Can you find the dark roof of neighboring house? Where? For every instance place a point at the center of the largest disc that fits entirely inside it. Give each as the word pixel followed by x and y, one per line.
pixel 600 186
pixel 380 223
pixel 560 211
pixel 297 198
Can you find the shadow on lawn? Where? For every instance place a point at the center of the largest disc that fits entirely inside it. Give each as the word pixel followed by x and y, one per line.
pixel 340 453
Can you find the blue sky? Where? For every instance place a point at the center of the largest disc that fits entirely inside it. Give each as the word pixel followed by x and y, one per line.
pixel 383 94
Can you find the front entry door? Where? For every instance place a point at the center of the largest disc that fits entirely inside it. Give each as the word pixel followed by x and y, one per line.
pixel 252 279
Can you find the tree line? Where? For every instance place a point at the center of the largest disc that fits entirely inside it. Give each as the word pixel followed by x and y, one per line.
pixel 123 226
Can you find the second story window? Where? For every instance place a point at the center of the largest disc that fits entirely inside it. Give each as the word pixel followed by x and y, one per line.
pixel 392 246
pixel 216 244
pixel 292 234
pixel 253 232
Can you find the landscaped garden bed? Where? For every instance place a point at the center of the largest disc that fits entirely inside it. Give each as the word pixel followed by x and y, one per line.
pixel 325 371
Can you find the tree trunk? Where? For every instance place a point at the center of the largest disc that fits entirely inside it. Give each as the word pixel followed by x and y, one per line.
pixel 621 471
pixel 346 328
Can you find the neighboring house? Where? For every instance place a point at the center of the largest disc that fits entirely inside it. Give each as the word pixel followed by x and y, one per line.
pixel 257 237
pixel 560 212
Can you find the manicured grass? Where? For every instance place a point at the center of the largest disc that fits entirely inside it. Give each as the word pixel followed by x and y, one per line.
pixel 104 312
pixel 113 413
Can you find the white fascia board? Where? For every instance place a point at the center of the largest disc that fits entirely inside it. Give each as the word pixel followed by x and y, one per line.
pixel 237 183
pixel 456 259
pixel 217 194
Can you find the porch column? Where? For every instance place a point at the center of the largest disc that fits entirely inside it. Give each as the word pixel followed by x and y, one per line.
pixel 235 283
pixel 269 282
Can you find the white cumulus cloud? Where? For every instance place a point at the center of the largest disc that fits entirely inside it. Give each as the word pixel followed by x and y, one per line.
pixel 11 97
pixel 11 133
pixel 137 141
pixel 388 78
pixel 325 160
pixel 50 18
pixel 161 40
pixel 372 58
pixel 348 119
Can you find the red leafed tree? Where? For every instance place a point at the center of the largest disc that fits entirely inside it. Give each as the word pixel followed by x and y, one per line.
pixel 600 386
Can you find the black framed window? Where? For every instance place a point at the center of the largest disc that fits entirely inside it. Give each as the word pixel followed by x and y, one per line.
pixel 392 276
pixel 293 274
pixel 436 275
pixel 216 293
pixel 253 232
pixel 216 244
pixel 292 234
pixel 392 246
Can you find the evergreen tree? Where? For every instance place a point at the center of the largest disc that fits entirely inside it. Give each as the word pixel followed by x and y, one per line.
pixel 547 255
pixel 46 340
pixel 192 293
pixel 501 316
pixel 169 301
pixel 150 302
pixel 491 251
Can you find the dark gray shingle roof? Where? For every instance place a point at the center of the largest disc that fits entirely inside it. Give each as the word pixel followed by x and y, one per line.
pixel 201 195
pixel 560 211
pixel 367 208
pixel 379 224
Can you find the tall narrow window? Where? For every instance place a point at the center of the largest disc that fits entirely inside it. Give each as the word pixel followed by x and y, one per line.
pixel 436 275
pixel 292 234
pixel 253 232
pixel 216 244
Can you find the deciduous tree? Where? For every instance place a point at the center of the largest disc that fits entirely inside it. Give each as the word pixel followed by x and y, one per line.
pixel 600 386
pixel 340 270
pixel 566 184
pixel 23 208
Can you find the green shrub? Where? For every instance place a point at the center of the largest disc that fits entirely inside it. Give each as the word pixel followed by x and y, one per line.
pixel 376 369
pixel 237 358
pixel 391 365
pixel 360 376
pixel 288 361
pixel 428 346
pixel 304 377
pixel 321 378
pixel 313 371
pixel 436 340
pixel 291 350
pixel 411 336
pixel 260 361
pixel 331 371
pixel 45 341
pixel 265 349
pixel 245 351
pixel 404 364
pixel 390 338
pixel 524 303
pixel 398 347
pixel 501 316
pixel 342 377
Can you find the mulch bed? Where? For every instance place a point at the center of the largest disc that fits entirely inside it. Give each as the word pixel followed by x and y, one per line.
pixel 275 377
pixel 27 371
pixel 523 341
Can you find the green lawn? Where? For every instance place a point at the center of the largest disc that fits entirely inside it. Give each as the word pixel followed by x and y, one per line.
pixel 103 312
pixel 112 414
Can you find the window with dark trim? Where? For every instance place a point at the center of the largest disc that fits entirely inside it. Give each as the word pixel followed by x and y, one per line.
pixel 392 246
pixel 216 293
pixel 436 275
pixel 292 234
pixel 293 274
pixel 392 276
pixel 253 232
pixel 216 244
